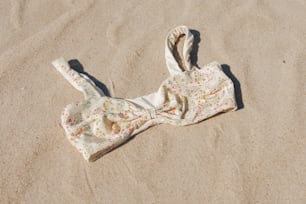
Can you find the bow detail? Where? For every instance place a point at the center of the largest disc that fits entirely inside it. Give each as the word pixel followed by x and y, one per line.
pixel 133 116
pixel 111 118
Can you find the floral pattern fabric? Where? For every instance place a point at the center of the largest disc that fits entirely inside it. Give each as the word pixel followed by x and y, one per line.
pixel 98 123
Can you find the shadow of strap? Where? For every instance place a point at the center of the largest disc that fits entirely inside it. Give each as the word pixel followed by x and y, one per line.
pixel 238 95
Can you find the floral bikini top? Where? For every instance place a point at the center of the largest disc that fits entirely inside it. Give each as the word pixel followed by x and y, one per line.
pixel 99 123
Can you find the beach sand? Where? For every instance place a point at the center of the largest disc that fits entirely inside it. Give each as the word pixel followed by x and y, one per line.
pixel 256 154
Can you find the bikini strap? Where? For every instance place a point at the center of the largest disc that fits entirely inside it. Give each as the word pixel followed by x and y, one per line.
pixel 172 61
pixel 78 80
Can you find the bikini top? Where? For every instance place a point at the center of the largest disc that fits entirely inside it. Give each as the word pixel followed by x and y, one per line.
pixel 98 123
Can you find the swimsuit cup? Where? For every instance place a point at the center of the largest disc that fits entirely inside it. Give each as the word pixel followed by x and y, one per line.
pixel 98 123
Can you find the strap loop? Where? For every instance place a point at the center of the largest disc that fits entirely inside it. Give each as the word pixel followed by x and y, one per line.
pixel 172 39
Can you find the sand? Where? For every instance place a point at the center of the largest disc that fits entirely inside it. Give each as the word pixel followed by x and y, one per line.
pixel 256 154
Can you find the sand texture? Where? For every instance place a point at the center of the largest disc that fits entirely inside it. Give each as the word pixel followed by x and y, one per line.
pixel 256 154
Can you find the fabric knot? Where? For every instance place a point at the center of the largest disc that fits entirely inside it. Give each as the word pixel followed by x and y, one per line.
pixel 151 113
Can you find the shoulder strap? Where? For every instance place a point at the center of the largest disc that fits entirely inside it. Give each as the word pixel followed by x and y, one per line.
pixel 172 39
pixel 79 81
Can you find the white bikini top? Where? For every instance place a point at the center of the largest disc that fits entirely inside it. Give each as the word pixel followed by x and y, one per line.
pixel 99 123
